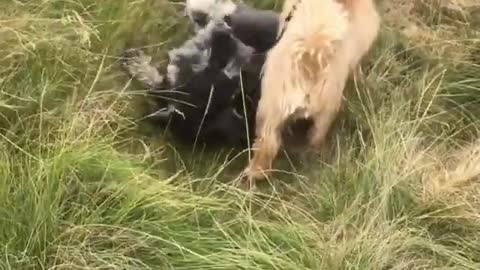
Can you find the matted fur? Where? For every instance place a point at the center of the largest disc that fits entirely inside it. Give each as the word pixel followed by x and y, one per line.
pixel 306 72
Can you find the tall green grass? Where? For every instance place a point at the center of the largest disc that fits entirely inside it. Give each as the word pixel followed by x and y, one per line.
pixel 84 184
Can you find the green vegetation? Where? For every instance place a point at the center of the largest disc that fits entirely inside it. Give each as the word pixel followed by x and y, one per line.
pixel 84 184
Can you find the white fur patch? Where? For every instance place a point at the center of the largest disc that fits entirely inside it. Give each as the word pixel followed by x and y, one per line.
pixel 232 69
pixel 172 74
pixel 200 5
pixel 212 8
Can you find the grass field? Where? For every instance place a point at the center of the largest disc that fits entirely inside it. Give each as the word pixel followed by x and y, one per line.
pixel 85 185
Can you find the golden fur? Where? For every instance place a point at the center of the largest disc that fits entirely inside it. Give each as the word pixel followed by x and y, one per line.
pixel 305 73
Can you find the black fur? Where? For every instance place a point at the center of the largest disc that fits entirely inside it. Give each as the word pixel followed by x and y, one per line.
pixel 254 27
pixel 196 74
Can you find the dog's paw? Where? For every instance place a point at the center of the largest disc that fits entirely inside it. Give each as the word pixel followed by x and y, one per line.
pixel 137 65
pixel 247 181
pixel 252 174
pixel 173 55
pixel 133 57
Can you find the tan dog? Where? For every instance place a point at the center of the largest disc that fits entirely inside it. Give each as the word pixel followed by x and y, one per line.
pixel 306 72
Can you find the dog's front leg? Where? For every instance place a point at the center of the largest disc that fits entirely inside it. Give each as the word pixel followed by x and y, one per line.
pixel 265 150
pixel 138 65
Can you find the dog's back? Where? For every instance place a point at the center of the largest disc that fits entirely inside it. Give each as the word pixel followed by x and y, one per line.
pixel 300 58
pixel 322 43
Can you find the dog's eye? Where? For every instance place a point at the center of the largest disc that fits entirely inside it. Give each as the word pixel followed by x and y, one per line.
pixel 200 18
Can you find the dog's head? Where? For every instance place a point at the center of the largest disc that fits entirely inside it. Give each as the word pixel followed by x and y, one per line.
pixel 201 12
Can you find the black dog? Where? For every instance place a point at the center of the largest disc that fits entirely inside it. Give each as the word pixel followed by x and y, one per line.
pixel 201 104
pixel 205 77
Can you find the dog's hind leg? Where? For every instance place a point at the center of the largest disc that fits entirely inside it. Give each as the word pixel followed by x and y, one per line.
pixel 321 126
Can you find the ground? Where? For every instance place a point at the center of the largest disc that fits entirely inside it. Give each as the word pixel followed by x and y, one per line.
pixel 85 184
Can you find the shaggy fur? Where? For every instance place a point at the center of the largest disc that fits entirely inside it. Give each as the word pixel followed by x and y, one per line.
pixel 306 71
pixel 203 74
pixel 255 28
pixel 201 102
pixel 201 12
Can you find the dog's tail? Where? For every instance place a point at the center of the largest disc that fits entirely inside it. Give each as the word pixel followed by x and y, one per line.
pixel 315 28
